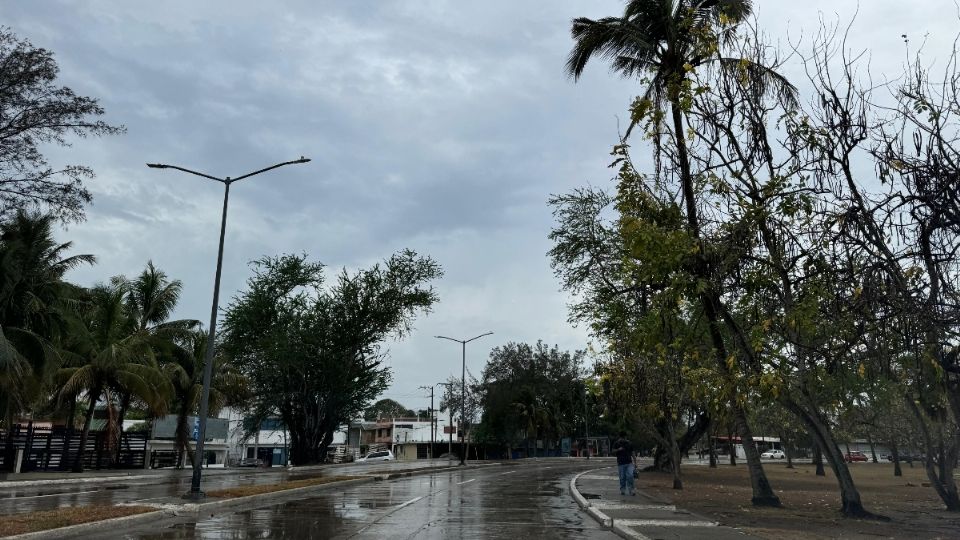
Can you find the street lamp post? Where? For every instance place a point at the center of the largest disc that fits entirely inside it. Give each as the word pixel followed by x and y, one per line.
pixel 195 492
pixel 463 391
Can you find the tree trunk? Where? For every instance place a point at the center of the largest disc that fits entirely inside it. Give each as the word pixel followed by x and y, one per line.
pixel 713 452
pixel 763 494
pixel 72 414
pixel 873 451
pixel 945 486
pixel 786 451
pixel 124 405
pixel 818 458
pixel 182 437
pixel 88 419
pixel 851 506
pixel 895 453
pixel 733 450
pixel 674 457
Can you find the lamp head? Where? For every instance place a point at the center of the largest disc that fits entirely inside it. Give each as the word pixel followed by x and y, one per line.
pixel 157 166
pixel 302 160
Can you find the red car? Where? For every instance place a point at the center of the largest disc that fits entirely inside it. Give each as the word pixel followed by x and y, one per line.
pixel 854 456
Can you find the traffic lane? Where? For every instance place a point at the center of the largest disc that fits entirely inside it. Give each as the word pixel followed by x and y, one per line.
pixel 529 499
pixel 34 498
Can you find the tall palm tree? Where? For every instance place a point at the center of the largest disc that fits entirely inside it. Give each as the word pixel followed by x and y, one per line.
pixel 107 352
pixel 35 304
pixel 227 386
pixel 665 41
pixel 150 300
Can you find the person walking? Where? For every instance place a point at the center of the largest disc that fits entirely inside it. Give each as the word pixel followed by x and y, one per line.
pixel 624 452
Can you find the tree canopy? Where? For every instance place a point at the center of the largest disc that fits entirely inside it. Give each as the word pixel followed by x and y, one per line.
pixel 36 111
pixel 314 353
pixel 386 408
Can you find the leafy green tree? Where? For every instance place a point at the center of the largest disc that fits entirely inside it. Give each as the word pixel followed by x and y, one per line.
pixel 35 307
pixel 36 112
pixel 386 408
pixel 313 353
pixel 531 392
pixel 665 41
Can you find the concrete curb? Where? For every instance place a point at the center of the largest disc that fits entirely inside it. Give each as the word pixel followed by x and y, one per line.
pixel 166 510
pixel 6 484
pixel 604 520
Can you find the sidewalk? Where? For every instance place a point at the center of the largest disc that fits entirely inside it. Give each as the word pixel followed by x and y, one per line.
pixel 641 516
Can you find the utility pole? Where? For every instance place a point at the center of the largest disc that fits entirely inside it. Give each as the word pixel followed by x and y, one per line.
pixel 450 409
pixel 586 423
pixel 433 424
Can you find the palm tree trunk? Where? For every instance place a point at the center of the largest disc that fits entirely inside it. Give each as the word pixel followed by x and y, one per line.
pixel 182 436
pixel 71 421
pixel 124 405
pixel 78 461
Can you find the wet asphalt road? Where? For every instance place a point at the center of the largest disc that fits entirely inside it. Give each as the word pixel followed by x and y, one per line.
pixel 520 499
pixel 16 500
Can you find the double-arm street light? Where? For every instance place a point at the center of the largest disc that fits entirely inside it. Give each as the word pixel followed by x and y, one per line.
pixel 195 492
pixel 463 391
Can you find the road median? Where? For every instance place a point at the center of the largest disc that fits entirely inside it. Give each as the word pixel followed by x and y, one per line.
pixel 51 524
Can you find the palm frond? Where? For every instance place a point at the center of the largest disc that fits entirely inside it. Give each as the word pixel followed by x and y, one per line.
pixel 760 80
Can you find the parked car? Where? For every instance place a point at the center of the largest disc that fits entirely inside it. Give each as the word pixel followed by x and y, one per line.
pixel 446 455
pixel 249 462
pixel 907 457
pixel 854 456
pixel 773 454
pixel 380 455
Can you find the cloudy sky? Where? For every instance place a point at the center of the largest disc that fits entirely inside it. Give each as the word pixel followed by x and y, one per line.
pixel 436 125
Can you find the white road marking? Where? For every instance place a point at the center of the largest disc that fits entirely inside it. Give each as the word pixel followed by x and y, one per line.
pixel 466 481
pixel 408 503
pixel 67 494
pixel 664 523
pixel 508 472
pixel 599 477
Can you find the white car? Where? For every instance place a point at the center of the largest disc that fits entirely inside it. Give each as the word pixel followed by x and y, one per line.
pixel 380 455
pixel 773 454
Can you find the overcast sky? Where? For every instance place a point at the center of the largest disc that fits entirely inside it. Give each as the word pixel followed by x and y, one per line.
pixel 436 125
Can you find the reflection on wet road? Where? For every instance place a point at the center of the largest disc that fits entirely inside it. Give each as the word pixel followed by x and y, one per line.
pixel 528 499
pixel 159 485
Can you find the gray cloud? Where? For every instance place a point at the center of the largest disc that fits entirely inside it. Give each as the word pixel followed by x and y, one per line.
pixel 437 125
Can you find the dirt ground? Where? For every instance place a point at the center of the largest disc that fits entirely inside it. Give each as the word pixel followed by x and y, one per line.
pixel 811 503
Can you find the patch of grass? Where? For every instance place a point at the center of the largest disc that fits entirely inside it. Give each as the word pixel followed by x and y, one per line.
pixel 243 491
pixel 11 525
pixel 811 503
